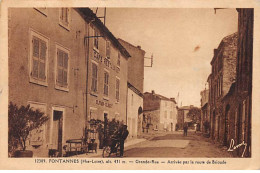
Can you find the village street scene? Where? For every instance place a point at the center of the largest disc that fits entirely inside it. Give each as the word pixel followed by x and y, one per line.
pixel 130 82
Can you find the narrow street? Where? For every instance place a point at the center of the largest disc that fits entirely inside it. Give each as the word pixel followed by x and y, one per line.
pixel 176 145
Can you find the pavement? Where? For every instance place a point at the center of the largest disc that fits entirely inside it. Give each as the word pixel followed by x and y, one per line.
pixel 128 144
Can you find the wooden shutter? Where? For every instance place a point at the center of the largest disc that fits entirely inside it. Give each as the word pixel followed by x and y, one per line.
pixel 60 67
pixel 35 58
pixel 42 60
pixel 65 69
pixel 108 48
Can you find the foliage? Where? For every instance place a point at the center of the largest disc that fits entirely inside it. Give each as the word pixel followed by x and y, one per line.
pixel 21 121
pixel 99 126
pixel 194 114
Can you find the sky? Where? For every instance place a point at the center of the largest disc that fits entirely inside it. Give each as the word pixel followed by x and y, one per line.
pixel 181 41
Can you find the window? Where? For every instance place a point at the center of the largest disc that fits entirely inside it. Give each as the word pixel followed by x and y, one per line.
pixel 62 68
pixel 118 59
pixel 117 89
pixel 38 58
pixel 96 38
pixel 165 114
pixel 94 77
pixel 108 45
pixel 171 115
pixel 106 78
pixel 65 17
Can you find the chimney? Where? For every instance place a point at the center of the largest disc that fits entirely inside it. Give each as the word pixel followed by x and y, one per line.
pixel 215 52
pixel 139 47
pixel 153 92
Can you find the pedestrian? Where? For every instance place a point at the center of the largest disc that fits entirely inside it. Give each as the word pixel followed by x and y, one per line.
pixel 185 129
pixel 196 127
pixel 123 135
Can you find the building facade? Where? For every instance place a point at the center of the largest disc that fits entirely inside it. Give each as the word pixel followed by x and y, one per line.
pixel 205 111
pixel 238 102
pixel 222 76
pixel 160 112
pixel 74 70
pixel 48 65
pixel 244 79
pixel 135 86
pixel 107 59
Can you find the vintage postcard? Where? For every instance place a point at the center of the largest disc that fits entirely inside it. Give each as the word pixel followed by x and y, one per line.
pixel 129 85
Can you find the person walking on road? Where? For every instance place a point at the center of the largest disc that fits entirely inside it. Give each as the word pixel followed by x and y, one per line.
pixel 123 135
pixel 185 129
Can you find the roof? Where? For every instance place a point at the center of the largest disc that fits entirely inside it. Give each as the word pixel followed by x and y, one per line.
pixel 134 89
pixel 89 16
pixel 162 97
pixel 136 47
pixel 226 40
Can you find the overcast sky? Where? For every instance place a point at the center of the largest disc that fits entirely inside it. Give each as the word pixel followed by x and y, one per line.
pixel 182 43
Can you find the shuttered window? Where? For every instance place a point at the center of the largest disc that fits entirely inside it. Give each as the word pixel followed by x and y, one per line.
pixel 39 56
pixel 62 68
pixel 108 47
pixel 117 89
pixel 96 38
pixel 94 77
pixel 64 17
pixel 106 78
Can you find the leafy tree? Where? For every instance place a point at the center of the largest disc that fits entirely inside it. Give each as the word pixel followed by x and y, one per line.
pixel 194 114
pixel 21 121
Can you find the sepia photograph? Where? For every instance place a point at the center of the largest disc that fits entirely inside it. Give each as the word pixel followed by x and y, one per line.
pixel 130 82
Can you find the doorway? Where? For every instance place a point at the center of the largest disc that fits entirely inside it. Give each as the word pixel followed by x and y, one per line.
pixel 57 131
pixel 225 142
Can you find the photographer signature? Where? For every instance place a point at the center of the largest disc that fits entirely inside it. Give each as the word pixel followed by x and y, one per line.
pixel 233 147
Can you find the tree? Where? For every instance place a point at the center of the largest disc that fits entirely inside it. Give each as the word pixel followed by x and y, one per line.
pixel 194 114
pixel 21 121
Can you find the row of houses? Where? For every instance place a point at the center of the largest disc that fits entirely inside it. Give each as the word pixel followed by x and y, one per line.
pixel 226 104
pixel 66 63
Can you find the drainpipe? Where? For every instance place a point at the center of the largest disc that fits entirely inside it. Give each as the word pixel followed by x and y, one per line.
pixel 87 56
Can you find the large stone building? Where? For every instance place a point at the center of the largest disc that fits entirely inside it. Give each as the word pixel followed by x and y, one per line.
pixel 106 90
pixel 222 76
pixel 160 113
pixel 238 102
pixel 134 89
pixel 46 70
pixel 73 70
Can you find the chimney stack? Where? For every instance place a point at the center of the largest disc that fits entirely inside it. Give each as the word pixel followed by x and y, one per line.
pixel 153 92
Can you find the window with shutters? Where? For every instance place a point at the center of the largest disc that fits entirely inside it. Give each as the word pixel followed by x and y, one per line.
pixel 106 79
pixel 65 18
pixel 96 34
pixel 108 49
pixel 38 58
pixel 117 89
pixel 118 59
pixel 94 77
pixel 62 68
